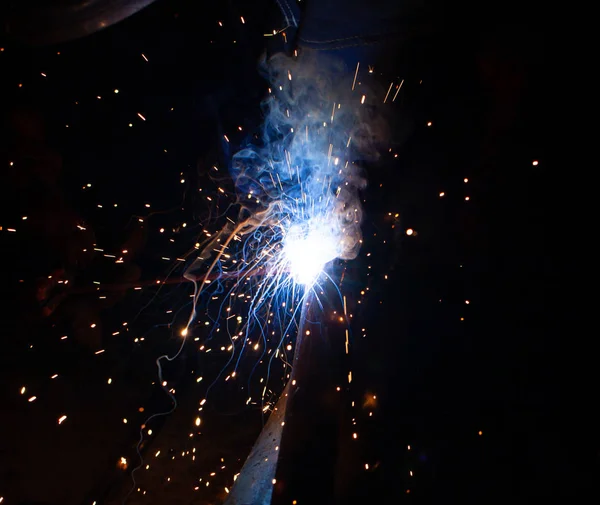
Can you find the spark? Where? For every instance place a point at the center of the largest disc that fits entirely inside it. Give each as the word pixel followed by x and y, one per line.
pixel 388 92
pixel 398 91
pixel 355 75
pixel 299 212
pixel 307 251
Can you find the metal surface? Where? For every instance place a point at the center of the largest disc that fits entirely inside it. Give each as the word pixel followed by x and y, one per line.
pixel 307 466
pixel 254 485
pixel 39 23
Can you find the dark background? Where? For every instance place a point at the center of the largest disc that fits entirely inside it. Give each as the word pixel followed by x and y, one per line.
pixel 478 75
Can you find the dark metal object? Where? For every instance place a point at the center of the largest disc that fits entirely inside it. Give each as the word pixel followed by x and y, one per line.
pixel 305 466
pixel 254 485
pixel 51 22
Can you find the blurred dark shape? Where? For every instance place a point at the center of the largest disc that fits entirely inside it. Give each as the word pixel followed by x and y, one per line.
pixel 39 22
pixel 55 262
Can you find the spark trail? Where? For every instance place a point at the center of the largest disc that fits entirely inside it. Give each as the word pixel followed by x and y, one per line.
pixel 298 189
pixel 299 210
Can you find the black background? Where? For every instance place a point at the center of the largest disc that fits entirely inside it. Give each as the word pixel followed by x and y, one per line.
pixel 479 76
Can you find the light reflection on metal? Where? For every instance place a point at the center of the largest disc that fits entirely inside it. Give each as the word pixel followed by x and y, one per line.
pixel 53 22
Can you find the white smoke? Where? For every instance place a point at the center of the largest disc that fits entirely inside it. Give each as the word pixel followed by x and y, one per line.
pixel 315 128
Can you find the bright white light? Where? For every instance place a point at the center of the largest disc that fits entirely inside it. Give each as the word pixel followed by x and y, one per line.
pixel 307 251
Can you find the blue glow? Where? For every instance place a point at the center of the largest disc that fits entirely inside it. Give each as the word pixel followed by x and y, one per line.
pixel 299 209
pixel 307 251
